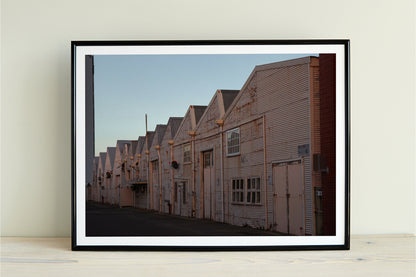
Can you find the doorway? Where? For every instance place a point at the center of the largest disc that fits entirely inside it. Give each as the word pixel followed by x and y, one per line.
pixel 208 183
pixel 288 198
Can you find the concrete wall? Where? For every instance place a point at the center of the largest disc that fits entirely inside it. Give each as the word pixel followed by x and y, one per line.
pixel 35 62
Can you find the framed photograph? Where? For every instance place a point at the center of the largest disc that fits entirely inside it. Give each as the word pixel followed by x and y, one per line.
pixel 211 145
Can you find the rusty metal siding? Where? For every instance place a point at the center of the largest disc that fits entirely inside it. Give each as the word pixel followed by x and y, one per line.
pixel 249 164
pixel 184 172
pixel 208 138
pixel 171 129
pixel 279 91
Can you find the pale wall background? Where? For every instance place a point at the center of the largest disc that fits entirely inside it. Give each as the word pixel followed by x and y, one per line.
pixel 35 92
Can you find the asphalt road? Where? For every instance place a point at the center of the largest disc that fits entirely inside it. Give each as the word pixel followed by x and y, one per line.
pixel 105 220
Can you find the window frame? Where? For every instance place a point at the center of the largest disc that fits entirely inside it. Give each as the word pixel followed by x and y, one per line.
pixel 239 142
pixel 237 192
pixel 256 191
pixel 190 153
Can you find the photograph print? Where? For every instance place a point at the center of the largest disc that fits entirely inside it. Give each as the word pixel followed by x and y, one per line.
pixel 210 145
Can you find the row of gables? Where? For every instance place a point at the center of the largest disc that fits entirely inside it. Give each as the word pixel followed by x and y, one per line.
pixel 249 158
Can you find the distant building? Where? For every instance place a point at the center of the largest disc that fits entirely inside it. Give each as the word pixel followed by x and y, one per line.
pixel 110 179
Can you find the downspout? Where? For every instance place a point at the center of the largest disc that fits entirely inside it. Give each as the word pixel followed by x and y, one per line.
pixel 148 167
pixel 172 188
pixel 138 175
pixel 160 178
pixel 148 181
pixel 192 134
pixel 220 123
pixel 265 173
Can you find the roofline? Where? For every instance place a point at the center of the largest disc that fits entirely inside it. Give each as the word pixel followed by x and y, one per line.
pixel 178 117
pixel 180 126
pixel 268 66
pixel 206 109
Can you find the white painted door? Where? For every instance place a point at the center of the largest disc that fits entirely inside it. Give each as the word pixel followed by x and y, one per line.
pixel 288 200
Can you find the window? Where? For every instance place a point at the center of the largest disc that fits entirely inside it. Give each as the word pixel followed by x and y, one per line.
pixel 233 142
pixel 208 162
pixel 155 165
pixel 253 190
pixel 187 153
pixel 238 190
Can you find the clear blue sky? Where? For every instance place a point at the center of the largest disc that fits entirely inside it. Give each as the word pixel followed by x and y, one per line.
pixel 128 86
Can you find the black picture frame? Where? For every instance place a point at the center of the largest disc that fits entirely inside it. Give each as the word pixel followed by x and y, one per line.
pixel 79 123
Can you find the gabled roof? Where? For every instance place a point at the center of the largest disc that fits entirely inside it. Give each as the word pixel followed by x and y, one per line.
pixel 112 154
pixel 160 131
pixel 120 144
pixel 228 97
pixel 141 141
pixel 174 123
pixel 222 98
pixel 263 67
pixel 199 111
pixel 150 135
pixel 195 114
pixel 103 156
pixel 132 148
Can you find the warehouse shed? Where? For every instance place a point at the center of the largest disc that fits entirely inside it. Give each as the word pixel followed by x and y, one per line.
pixel 155 175
pixel 166 164
pixel 208 149
pixel 121 193
pixel 271 133
pixel 184 175
pixel 108 179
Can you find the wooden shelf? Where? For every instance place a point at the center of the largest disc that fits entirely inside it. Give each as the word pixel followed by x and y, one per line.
pixel 369 256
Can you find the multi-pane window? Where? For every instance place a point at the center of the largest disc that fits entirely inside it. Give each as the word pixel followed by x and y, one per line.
pixel 246 191
pixel 253 190
pixel 233 142
pixel 238 190
pixel 187 153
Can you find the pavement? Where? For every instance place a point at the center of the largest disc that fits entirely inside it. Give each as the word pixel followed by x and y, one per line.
pixel 107 220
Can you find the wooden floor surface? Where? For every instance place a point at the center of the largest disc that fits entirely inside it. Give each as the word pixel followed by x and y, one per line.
pixel 369 256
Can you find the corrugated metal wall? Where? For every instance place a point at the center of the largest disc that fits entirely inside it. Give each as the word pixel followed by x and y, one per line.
pixel 285 96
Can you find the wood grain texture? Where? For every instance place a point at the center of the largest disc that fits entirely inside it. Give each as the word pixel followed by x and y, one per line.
pixel 369 256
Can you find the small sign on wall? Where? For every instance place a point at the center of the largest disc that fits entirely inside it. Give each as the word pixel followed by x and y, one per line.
pixel 303 150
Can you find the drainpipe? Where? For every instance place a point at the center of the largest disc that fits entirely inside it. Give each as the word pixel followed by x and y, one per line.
pixel 147 169
pixel 160 177
pixel 192 134
pixel 123 179
pixel 148 180
pixel 265 172
pixel 172 188
pixel 138 175
pixel 220 123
